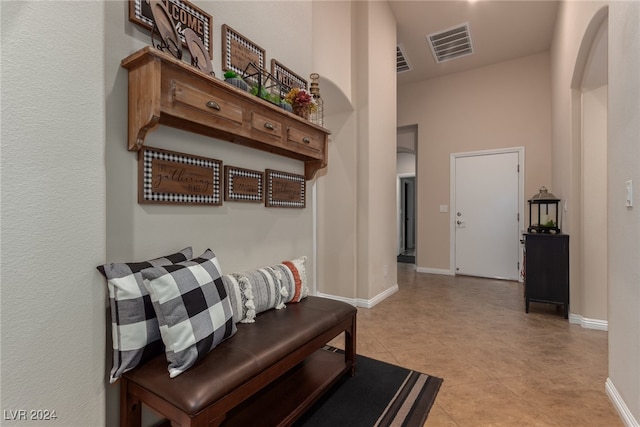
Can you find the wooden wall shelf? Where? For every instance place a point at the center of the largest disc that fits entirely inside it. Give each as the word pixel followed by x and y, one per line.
pixel 166 91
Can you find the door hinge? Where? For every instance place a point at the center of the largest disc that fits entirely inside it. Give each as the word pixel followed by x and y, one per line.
pixel 518 168
pixel 518 216
pixel 518 265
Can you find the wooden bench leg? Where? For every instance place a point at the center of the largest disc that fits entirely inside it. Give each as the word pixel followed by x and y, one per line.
pixel 130 408
pixel 350 345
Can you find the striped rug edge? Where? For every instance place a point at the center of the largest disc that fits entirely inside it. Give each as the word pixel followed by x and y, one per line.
pixel 412 402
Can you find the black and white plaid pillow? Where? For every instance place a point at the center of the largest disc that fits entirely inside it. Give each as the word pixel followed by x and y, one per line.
pixel 134 325
pixel 193 309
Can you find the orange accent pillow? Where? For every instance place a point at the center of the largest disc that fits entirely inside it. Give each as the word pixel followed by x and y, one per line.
pixel 296 279
pixel 299 274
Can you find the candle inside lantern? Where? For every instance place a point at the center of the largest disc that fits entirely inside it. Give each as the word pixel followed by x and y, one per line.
pixel 544 219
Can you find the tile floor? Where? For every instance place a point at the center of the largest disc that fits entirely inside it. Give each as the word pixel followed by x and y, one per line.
pixel 501 366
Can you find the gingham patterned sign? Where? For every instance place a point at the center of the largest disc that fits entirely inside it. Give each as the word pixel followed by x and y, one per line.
pixel 167 177
pixel 183 14
pixel 243 185
pixel 285 190
pixel 238 51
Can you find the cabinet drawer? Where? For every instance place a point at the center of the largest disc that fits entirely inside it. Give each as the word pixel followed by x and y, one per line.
pixel 206 105
pixel 308 141
pixel 266 125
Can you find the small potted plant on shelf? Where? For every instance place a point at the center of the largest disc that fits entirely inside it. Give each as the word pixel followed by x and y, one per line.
pixel 285 105
pixel 231 77
pixel 260 92
pixel 274 98
pixel 301 102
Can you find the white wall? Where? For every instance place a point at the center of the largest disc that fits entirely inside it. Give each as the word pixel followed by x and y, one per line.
pixel 69 191
pixel 576 27
pixel 623 159
pixel 593 304
pixel 406 164
pixel 243 235
pixel 407 139
pixel 334 56
pixel 53 211
pixel 69 185
pixel 332 53
pixel 498 106
pixel 377 123
pixel 355 221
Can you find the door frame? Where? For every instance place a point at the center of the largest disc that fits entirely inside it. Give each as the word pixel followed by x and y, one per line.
pixel 399 207
pixel 452 197
pixel 402 214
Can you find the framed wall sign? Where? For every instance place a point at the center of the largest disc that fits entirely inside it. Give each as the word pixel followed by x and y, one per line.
pixel 243 185
pixel 183 13
pixel 168 177
pixel 286 76
pixel 238 51
pixel 285 190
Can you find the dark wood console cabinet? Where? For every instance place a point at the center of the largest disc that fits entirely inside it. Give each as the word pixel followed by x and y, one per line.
pixel 547 269
pixel 165 90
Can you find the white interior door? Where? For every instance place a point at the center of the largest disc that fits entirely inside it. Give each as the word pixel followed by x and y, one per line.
pixel 486 215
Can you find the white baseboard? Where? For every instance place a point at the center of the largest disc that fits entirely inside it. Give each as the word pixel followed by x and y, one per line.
pixel 440 271
pixel 359 302
pixel 585 322
pixel 623 410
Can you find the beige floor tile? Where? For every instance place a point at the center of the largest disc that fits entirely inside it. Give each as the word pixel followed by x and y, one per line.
pixel 438 417
pixel 489 403
pixel 500 365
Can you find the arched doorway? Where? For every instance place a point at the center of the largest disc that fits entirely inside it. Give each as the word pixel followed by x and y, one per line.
pixel 590 87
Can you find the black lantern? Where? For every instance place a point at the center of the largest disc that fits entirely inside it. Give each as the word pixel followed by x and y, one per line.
pixel 543 213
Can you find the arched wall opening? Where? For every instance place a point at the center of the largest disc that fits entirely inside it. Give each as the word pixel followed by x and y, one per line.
pixel 589 176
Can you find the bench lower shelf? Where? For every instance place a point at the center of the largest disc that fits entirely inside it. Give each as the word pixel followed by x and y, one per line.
pixel 286 399
pixel 283 401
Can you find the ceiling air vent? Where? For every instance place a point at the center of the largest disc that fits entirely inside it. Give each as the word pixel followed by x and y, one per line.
pixel 452 43
pixel 402 64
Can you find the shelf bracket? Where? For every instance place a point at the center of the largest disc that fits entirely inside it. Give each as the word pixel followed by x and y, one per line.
pixel 144 101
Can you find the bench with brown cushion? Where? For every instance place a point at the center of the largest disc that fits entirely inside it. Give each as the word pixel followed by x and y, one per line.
pixel 268 373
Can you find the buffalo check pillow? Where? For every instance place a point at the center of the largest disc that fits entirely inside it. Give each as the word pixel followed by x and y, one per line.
pixel 193 309
pixel 134 326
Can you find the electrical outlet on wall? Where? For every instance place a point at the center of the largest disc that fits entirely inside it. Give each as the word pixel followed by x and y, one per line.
pixel 629 188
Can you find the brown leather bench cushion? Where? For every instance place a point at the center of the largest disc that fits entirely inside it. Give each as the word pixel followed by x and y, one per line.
pixel 253 348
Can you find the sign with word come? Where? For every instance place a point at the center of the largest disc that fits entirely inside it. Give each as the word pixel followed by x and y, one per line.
pixel 184 15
